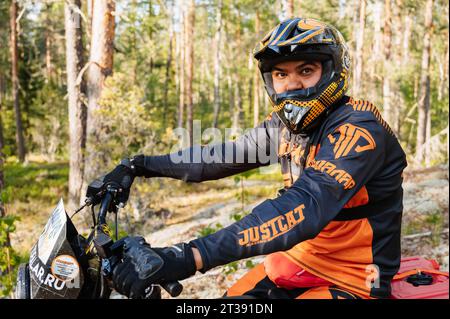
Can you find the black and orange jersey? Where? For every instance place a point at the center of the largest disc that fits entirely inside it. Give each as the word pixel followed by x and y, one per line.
pixel 340 216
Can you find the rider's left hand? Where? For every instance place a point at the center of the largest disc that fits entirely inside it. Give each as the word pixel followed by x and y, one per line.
pixel 143 266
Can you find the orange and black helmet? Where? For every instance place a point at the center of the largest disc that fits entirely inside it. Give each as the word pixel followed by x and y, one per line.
pixel 305 39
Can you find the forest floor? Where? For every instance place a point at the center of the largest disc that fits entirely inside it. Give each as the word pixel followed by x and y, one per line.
pixel 169 211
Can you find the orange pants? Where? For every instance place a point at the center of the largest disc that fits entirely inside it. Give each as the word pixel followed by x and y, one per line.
pixel 257 284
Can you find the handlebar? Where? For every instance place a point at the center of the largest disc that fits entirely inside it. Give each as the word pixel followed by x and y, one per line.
pixel 173 288
pixel 104 205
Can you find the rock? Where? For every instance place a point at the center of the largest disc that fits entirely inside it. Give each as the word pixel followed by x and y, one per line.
pixel 220 279
pixel 441 254
pixel 428 206
pixel 444 265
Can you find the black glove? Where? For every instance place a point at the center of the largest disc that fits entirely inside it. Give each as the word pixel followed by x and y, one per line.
pixel 143 266
pixel 123 176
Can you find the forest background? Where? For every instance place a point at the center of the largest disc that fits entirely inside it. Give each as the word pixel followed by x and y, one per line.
pixel 86 83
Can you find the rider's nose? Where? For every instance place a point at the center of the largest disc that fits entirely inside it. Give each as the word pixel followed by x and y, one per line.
pixel 294 84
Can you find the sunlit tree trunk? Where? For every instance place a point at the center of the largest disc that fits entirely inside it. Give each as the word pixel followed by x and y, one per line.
pixel 76 95
pixel 217 63
pixel 181 78
pixel 423 103
pixel 357 78
pixel 48 42
pixel 101 66
pixel 298 9
pixel 256 78
pixel 397 102
pixel 387 41
pixel 406 39
pixel 190 68
pixel 443 72
pixel 168 67
pixel 231 100
pixel 237 112
pixel 15 82
pixel 374 62
pixel 290 9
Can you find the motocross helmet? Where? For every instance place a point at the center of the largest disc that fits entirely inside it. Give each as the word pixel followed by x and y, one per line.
pixel 305 39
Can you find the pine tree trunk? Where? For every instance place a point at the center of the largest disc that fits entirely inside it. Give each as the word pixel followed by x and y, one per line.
pixel 231 100
pixel 387 41
pixel 190 68
pixel 256 77
pixel 290 9
pixel 237 112
pixel 376 58
pixel 443 73
pixel 357 78
pixel 182 76
pixel 101 66
pixel 168 67
pixel 423 104
pixel 250 99
pixel 77 106
pixel 397 102
pixel 236 118
pixel 217 64
pixel 406 39
pixel 298 8
pixel 15 82
pixel 48 43
pixel 428 132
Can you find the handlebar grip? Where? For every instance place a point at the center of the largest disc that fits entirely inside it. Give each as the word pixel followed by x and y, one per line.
pixel 173 288
pixel 104 205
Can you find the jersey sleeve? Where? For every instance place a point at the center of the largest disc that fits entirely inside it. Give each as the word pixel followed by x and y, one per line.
pixel 349 155
pixel 253 149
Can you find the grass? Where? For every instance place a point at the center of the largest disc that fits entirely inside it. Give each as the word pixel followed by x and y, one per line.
pixel 35 181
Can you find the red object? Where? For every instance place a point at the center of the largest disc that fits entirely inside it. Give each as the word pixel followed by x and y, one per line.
pixel 286 274
pixel 411 266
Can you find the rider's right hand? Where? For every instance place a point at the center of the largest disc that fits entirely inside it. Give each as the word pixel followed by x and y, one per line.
pixel 143 266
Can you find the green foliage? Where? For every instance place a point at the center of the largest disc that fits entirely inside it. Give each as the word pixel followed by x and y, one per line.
pixel 122 232
pixel 9 259
pixel 234 266
pixel 127 119
pixel 231 267
pixel 142 48
pixel 49 124
pixel 208 230
pixel 249 264
pixel 436 222
pixel 238 216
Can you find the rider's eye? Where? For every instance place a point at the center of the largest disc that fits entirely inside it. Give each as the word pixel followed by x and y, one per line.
pixel 279 75
pixel 306 71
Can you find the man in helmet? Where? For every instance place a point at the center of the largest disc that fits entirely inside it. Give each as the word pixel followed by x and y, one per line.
pixel 334 230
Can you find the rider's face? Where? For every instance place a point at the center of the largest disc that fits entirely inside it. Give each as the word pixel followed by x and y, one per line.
pixel 295 75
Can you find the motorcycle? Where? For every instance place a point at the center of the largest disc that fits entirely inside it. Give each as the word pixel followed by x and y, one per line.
pixel 66 265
